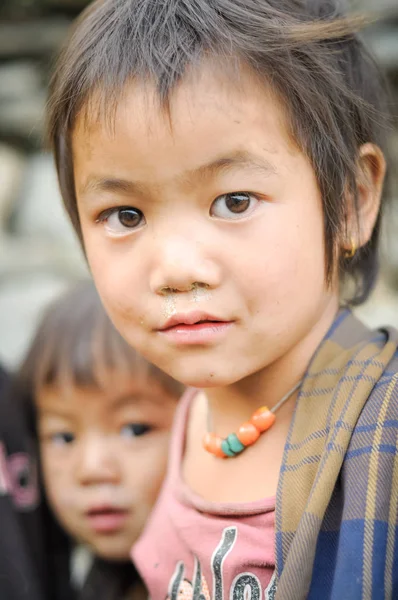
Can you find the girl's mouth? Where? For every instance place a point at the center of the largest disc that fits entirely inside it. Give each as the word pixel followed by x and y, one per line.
pixel 194 328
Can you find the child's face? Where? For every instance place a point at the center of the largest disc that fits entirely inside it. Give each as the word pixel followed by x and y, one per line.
pixel 104 455
pixel 214 215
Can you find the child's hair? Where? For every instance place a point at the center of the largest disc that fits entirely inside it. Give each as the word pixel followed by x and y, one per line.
pixel 307 50
pixel 77 344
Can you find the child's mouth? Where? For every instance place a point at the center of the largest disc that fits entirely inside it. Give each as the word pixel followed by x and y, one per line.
pixel 107 519
pixel 194 328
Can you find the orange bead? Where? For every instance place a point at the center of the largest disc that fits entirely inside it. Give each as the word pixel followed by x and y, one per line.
pixel 212 443
pixel 248 434
pixel 263 419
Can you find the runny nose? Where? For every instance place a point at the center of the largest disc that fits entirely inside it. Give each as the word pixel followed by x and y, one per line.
pixel 182 265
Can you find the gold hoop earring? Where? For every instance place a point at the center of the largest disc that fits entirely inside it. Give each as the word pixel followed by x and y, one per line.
pixel 352 250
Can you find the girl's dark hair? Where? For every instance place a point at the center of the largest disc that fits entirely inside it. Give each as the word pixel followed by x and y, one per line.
pixel 76 343
pixel 307 50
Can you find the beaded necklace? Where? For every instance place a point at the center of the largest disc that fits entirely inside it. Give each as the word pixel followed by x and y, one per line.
pixel 248 433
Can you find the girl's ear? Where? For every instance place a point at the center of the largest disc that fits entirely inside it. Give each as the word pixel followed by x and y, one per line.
pixel 371 172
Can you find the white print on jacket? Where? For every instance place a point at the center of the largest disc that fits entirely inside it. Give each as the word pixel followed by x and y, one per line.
pixel 18 479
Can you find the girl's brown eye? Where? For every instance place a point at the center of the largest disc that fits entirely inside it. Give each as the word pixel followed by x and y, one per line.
pixel 130 217
pixel 233 206
pixel 121 221
pixel 237 203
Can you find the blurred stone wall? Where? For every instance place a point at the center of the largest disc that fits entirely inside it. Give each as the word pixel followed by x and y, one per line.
pixel 39 254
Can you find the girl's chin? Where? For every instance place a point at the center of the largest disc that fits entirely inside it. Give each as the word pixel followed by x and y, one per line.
pixel 202 371
pixel 214 380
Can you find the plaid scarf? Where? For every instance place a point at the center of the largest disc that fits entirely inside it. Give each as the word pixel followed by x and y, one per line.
pixel 337 501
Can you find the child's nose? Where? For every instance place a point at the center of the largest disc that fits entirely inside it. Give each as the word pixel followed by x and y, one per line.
pixel 182 264
pixel 96 462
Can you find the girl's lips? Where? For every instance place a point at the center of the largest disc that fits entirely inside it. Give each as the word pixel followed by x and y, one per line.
pixel 202 332
pixel 109 520
pixel 194 317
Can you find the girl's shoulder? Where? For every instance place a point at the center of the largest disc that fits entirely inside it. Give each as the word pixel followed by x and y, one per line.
pixel 372 448
pixel 382 404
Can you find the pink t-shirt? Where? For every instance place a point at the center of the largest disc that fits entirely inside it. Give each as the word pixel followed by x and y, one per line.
pixel 194 549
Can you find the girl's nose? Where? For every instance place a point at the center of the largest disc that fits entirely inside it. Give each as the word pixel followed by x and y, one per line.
pixel 96 461
pixel 181 265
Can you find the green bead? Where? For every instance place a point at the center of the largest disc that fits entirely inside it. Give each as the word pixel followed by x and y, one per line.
pixel 226 448
pixel 235 445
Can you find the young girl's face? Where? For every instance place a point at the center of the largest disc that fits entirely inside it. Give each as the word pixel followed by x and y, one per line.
pixel 104 454
pixel 204 229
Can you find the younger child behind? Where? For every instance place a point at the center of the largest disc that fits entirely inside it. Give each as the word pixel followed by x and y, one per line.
pixel 103 416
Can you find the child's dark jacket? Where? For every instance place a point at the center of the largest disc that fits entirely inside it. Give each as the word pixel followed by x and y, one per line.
pixel 21 551
pixel 109 581
pixel 34 552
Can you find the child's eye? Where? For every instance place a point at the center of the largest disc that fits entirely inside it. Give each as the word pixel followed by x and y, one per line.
pixel 119 221
pixel 233 206
pixel 134 430
pixel 63 438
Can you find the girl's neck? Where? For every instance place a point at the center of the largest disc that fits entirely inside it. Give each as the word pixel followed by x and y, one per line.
pixel 231 405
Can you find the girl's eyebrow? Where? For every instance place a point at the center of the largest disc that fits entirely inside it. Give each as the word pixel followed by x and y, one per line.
pixel 113 185
pixel 241 159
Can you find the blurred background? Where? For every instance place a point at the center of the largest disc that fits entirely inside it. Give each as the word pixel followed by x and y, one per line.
pixel 39 254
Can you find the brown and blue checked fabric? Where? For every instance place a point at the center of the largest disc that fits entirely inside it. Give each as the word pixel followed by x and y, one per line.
pixel 337 501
